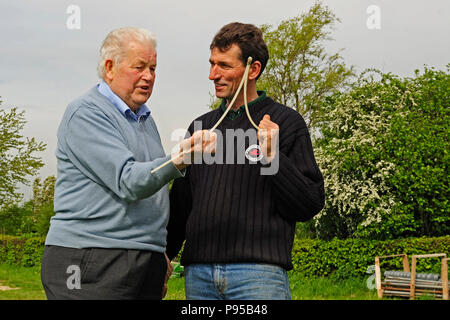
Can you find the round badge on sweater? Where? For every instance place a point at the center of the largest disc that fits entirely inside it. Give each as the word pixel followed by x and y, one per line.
pixel 254 153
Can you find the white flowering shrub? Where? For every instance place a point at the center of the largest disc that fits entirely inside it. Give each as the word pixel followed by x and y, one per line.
pixel 366 178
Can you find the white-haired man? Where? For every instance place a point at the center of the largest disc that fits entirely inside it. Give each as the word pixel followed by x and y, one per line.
pixel 108 236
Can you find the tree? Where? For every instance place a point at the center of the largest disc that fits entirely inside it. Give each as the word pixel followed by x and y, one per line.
pixel 300 73
pixel 33 216
pixel 17 156
pixel 43 194
pixel 383 152
pixel 16 219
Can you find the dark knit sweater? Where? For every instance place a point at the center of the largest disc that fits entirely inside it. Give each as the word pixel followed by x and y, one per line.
pixel 230 213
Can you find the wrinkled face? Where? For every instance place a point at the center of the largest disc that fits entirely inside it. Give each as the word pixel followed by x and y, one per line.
pixel 226 71
pixel 133 78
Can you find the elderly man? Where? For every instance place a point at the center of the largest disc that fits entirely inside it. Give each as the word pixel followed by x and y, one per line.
pixel 107 239
pixel 238 223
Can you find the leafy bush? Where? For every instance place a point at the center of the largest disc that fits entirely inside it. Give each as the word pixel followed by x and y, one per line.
pixel 32 217
pixel 43 203
pixel 340 259
pixel 21 251
pixel 16 219
pixel 352 257
pixel 383 151
pixel 43 222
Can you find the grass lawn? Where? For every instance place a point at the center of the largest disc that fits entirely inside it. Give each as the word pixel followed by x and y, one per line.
pixel 303 288
pixel 323 288
pixel 25 284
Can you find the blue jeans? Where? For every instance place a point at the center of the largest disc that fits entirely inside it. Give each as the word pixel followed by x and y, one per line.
pixel 236 281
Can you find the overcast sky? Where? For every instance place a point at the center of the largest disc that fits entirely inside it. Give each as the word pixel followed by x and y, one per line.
pixel 45 64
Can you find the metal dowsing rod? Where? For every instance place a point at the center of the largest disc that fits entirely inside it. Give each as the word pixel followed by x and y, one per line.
pixel 243 82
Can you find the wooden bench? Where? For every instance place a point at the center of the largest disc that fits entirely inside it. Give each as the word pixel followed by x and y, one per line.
pixel 410 284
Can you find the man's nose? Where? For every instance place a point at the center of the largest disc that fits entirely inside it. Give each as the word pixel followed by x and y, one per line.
pixel 213 74
pixel 148 75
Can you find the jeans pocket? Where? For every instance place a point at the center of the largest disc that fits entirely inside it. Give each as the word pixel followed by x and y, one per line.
pixel 259 282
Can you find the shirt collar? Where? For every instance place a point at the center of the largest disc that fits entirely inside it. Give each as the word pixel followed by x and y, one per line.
pixel 143 111
pixel 233 114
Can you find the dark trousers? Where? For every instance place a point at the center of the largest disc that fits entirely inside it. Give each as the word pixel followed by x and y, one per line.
pixel 98 273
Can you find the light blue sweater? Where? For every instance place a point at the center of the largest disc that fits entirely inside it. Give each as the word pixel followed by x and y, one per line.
pixel 105 195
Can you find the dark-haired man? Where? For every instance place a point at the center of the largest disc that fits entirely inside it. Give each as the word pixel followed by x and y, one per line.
pixel 238 223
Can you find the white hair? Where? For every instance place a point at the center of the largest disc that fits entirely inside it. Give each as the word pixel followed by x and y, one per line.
pixel 113 47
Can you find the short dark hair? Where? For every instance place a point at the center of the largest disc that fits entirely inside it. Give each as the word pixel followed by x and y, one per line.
pixel 247 37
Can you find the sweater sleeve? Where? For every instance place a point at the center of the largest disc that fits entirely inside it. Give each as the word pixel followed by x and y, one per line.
pixel 298 185
pixel 180 207
pixel 99 151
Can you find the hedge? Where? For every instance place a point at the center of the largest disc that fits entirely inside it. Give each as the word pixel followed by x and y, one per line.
pixel 352 257
pixel 21 251
pixel 311 257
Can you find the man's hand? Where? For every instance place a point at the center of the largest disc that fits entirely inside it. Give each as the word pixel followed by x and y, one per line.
pixel 202 141
pixel 268 137
pixel 168 274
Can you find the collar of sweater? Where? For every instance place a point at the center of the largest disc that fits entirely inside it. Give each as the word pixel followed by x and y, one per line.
pixel 234 114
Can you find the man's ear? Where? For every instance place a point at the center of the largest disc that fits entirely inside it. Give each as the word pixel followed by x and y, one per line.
pixel 109 70
pixel 254 71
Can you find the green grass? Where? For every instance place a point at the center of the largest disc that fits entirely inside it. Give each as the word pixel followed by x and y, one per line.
pixel 303 288
pixel 328 288
pixel 28 280
pixel 25 281
pixel 175 289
